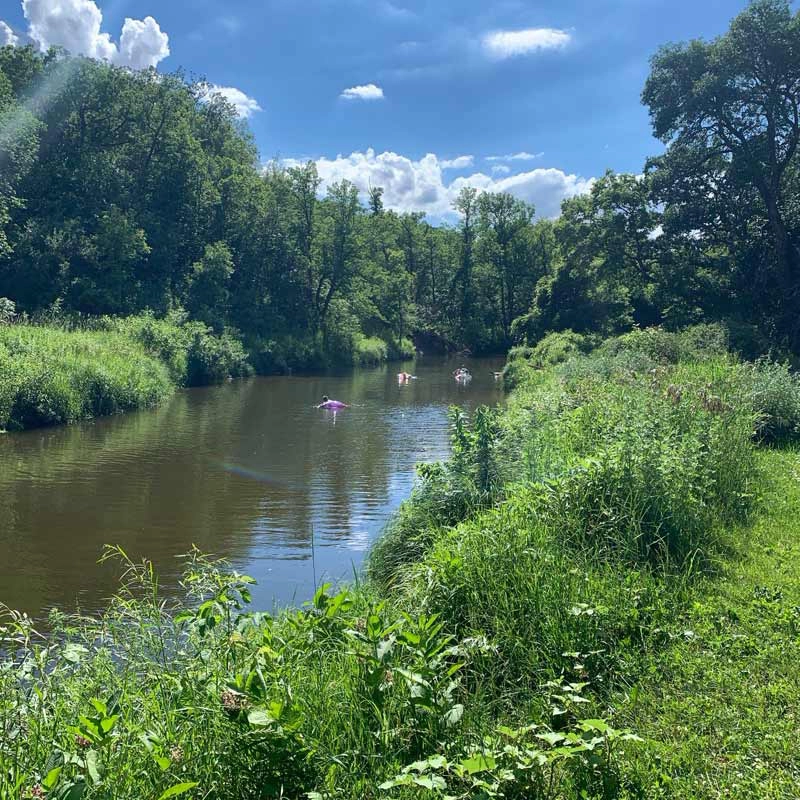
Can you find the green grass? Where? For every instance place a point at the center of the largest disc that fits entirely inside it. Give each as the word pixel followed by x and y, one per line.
pixel 720 702
pixel 50 376
pixel 53 374
pixel 594 597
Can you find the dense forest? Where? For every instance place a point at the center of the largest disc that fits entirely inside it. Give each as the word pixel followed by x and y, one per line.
pixel 123 191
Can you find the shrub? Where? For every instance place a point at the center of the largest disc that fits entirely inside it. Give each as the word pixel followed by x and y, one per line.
pixel 554 348
pixel 213 359
pixel 709 340
pixel 445 494
pixel 369 351
pixel 558 347
pixel 168 339
pixel 8 311
pixel 774 392
pixel 402 349
pixel 194 355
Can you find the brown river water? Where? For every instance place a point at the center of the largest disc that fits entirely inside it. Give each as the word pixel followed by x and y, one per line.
pixel 246 471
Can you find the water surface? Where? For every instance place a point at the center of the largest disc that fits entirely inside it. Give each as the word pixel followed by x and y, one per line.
pixel 250 471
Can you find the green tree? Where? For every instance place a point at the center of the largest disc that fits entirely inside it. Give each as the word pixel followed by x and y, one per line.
pixel 209 286
pixel 728 111
pixel 504 224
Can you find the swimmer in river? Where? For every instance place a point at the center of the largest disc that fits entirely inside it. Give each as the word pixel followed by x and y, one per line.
pixel 333 404
pixel 405 377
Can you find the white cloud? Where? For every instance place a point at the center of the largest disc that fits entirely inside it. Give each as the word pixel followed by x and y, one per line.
pixel 545 188
pixel 368 92
pixel 75 25
pixel 460 162
pixel 500 169
pixel 142 44
pixel 7 36
pixel 245 105
pixel 522 156
pixel 419 186
pixel 505 44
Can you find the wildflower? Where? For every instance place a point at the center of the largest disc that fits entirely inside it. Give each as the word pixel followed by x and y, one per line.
pixel 232 701
pixel 82 741
pixel 37 791
pixel 176 753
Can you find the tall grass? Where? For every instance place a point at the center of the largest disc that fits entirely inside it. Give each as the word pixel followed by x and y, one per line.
pixel 152 701
pixel 63 372
pixel 50 376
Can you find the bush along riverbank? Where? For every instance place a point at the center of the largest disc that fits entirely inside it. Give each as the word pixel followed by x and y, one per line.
pixel 68 369
pixel 545 616
pixel 57 373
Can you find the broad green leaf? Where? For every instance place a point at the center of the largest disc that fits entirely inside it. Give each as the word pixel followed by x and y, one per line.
pixel 453 716
pixel 479 763
pixel 93 766
pixel 73 652
pixel 178 788
pixel 51 779
pixel 260 717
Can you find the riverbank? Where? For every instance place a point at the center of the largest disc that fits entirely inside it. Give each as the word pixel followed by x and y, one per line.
pixel 523 591
pixel 70 370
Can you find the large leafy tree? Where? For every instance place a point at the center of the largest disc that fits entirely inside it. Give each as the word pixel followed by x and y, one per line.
pixel 729 112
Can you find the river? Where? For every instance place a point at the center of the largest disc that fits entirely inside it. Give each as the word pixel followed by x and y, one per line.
pixel 250 471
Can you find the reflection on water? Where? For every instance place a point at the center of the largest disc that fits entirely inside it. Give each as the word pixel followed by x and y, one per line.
pixel 250 470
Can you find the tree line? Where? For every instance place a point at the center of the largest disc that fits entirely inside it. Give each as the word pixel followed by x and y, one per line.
pixel 122 191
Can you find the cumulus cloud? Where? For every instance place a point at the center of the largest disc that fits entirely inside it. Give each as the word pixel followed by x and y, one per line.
pixel 506 44
pixel 522 156
pixel 460 162
pixel 411 185
pixel 500 169
pixel 368 92
pixel 75 25
pixel 7 36
pixel 142 44
pixel 244 104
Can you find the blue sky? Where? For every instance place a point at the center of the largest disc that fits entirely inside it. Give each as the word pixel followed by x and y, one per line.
pixel 557 81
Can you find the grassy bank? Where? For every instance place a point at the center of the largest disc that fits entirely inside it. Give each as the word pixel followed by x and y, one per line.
pixel 70 369
pixel 547 617
pixel 50 376
pixel 56 373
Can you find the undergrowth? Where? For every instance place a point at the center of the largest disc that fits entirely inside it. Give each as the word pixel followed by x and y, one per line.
pixel 531 588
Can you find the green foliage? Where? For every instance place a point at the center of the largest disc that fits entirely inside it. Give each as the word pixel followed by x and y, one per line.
pixel 49 376
pixel 529 582
pixel 209 294
pixel 445 494
pixel 154 701
pixel 52 375
pixel 532 761
pixel 369 351
pixel 180 214
pixel 729 173
pixel 712 733
pixel 194 355
pixel 554 348
pixel 774 392
pixel 214 359
pixel 8 311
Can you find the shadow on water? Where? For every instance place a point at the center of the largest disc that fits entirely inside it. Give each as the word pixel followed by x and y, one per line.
pixel 245 471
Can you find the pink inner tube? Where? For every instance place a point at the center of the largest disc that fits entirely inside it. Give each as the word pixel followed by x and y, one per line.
pixel 332 404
